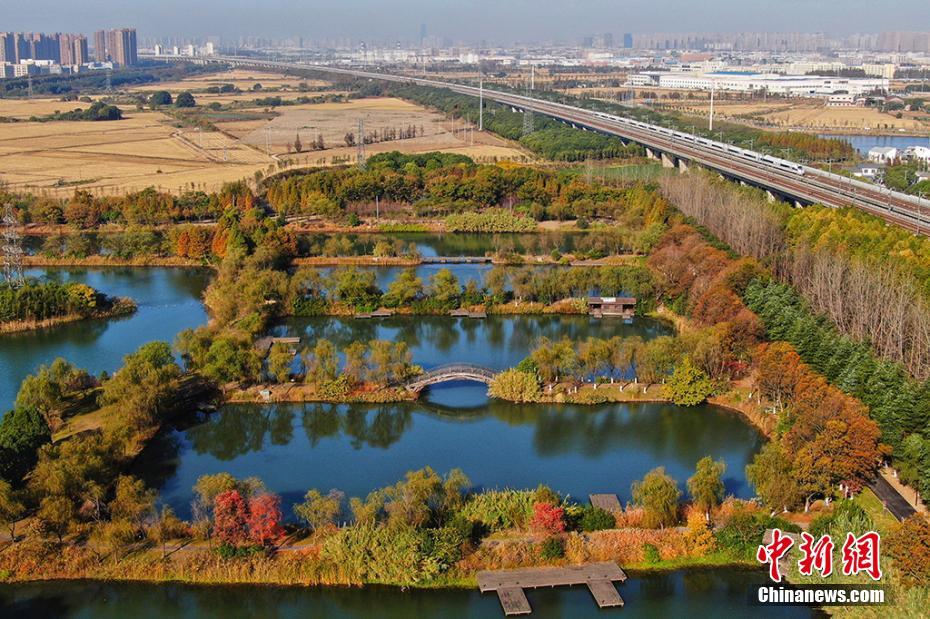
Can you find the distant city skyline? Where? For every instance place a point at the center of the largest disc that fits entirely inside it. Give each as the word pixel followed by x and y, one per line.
pixel 465 20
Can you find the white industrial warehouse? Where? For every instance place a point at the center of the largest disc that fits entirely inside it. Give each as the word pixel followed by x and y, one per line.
pixel 773 83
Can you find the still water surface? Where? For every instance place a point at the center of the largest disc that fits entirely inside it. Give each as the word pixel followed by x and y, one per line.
pixel 687 593
pixel 168 300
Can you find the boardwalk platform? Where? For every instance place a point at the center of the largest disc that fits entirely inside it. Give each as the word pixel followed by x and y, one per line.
pixel 264 344
pixel 381 313
pixel 464 313
pixel 514 601
pixel 509 584
pixel 456 260
pixel 607 502
pixel 605 593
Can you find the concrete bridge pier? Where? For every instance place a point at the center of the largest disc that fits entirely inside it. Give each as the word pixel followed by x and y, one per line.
pixel 651 154
pixel 683 166
pixel 668 161
pixel 770 196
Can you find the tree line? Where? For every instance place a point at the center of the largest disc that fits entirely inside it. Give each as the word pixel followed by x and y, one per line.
pixel 825 443
pixel 868 278
pixel 36 301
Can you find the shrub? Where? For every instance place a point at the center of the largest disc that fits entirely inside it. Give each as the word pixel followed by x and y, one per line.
pixel 651 554
pixel 548 518
pixel 491 220
pixel 909 544
pixel 500 509
pixel 515 386
pixel 596 519
pixel 552 548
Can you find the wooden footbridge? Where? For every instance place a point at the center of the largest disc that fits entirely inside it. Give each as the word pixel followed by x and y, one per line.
pixel 450 372
pixel 509 584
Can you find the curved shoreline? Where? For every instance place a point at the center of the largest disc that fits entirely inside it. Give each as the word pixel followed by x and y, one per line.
pixel 122 306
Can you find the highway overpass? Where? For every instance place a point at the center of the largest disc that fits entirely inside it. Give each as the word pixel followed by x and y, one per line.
pixel 801 185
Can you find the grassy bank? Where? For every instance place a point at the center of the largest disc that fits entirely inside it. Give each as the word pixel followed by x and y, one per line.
pixel 119 307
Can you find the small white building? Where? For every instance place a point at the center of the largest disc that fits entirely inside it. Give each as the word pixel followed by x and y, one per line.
pixel 868 171
pixel 883 154
pixel 918 153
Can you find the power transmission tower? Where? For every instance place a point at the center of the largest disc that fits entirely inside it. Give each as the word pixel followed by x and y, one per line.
pixel 109 80
pixel 12 249
pixel 360 144
pixel 528 126
pixel 29 82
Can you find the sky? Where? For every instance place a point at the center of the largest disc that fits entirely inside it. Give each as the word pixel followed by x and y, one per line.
pixel 464 20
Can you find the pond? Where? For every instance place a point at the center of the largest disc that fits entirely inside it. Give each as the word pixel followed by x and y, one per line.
pixel 431 244
pixel 168 300
pixel 356 448
pixel 864 143
pixel 496 342
pixel 694 593
pixel 427 244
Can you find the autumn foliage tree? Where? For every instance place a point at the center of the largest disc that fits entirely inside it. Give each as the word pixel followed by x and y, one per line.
pixel 909 544
pixel 231 518
pixel 264 519
pixel 548 519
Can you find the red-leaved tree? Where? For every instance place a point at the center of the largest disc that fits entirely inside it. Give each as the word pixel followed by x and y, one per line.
pixel 264 519
pixel 230 518
pixel 548 519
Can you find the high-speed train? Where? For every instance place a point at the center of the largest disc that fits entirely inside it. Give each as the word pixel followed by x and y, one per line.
pixel 783 164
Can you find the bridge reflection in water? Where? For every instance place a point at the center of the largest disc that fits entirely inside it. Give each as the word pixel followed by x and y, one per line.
pixel 451 372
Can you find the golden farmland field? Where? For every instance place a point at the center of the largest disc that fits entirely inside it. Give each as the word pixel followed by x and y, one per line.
pixel 149 148
pixel 809 115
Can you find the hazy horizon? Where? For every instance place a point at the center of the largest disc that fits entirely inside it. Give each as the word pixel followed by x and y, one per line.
pixel 464 20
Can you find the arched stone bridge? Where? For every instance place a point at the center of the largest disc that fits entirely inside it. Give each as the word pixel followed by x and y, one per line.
pixel 450 372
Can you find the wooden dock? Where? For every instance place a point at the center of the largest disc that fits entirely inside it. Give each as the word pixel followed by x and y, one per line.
pixel 509 584
pixel 264 344
pixel 464 313
pixel 380 313
pixel 456 260
pixel 607 502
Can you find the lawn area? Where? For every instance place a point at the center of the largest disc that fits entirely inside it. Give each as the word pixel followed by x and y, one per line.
pixel 882 518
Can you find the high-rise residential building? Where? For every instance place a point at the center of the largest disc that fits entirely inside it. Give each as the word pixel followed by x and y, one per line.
pixel 7 47
pixel 21 46
pixel 73 49
pixel 117 45
pixel 43 46
pixel 126 50
pixel 101 53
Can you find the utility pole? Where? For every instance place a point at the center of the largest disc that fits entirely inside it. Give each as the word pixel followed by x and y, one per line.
pixel 713 90
pixel 360 144
pixel 532 77
pixel 480 102
pixel 268 141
